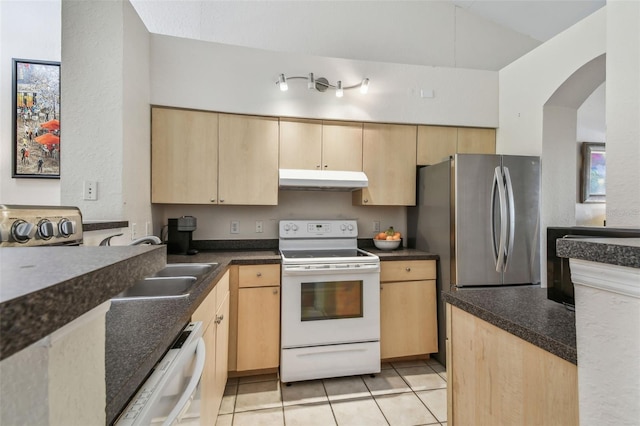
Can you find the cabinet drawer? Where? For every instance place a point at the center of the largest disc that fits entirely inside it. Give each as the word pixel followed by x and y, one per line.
pixel 258 275
pixel 407 270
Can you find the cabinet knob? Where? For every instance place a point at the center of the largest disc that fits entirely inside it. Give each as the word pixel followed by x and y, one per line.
pixel 221 200
pixel 326 166
pixel 318 166
pixel 259 274
pixel 366 201
pixel 213 200
pixel 219 319
pixel 408 269
pixel 275 291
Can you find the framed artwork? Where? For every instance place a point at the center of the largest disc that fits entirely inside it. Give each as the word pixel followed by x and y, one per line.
pixel 36 119
pixel 593 173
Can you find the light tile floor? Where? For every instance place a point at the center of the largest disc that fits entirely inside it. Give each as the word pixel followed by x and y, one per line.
pixel 404 393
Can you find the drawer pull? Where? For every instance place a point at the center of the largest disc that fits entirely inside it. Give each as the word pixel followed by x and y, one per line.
pixel 259 274
pixel 275 291
pixel 219 319
pixel 408 269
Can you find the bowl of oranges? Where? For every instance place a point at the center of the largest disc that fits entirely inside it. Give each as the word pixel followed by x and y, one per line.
pixel 387 240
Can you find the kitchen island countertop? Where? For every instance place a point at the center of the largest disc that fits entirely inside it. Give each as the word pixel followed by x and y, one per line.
pixel 523 311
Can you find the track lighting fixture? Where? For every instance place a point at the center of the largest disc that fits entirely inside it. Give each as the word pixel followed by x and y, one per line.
pixel 321 84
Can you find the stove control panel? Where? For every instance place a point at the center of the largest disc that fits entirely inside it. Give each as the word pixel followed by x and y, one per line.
pixel 27 226
pixel 311 229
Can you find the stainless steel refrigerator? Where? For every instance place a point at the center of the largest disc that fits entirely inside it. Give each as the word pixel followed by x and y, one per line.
pixel 481 215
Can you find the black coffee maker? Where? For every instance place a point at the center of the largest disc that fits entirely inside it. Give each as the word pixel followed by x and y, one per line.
pixel 180 235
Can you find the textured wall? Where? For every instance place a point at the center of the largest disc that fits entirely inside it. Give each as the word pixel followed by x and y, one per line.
pixel 623 110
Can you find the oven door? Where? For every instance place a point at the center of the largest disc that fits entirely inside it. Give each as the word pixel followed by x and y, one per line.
pixel 330 306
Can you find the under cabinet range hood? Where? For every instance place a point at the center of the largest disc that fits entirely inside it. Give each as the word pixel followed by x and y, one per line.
pixel 322 180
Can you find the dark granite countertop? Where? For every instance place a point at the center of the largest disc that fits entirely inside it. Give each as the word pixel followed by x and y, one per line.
pixel 523 311
pixel 44 288
pixel 98 225
pixel 138 333
pixel 402 254
pixel 613 251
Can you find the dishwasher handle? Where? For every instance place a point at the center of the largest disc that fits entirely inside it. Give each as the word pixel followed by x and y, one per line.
pixel 187 396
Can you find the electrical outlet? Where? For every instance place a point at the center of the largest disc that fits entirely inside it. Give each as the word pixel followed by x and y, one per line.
pixel 90 190
pixel 133 231
pixel 376 226
pixel 235 226
pixel 258 226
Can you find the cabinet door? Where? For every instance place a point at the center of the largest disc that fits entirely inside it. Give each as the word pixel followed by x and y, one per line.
pixel 342 146
pixel 184 156
pixel 248 170
pixel 436 144
pixel 476 141
pixel 258 328
pixel 209 404
pixel 408 324
pixel 222 351
pixel 389 160
pixel 300 144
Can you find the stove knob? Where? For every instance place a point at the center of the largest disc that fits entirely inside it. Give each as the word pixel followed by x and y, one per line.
pixel 287 227
pixel 343 227
pixel 294 227
pixel 22 231
pixel 45 229
pixel 66 227
pixel 350 227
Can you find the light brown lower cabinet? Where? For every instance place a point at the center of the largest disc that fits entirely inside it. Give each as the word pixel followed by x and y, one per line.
pixel 496 378
pixel 214 314
pixel 408 322
pixel 255 336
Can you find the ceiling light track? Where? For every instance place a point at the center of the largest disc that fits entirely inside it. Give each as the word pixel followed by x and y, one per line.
pixel 322 84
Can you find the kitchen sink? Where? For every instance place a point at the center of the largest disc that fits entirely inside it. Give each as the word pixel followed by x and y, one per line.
pixel 185 269
pixel 158 287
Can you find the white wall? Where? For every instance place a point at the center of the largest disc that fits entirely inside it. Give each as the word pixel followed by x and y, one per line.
pixel 623 110
pixel 28 30
pixel 105 73
pixel 528 83
pixel 432 33
pixel 211 76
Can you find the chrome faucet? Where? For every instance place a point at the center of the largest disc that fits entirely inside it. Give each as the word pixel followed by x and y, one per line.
pixel 149 239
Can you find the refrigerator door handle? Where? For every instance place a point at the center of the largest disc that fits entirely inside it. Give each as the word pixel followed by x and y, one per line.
pixel 503 219
pixel 512 216
pixel 492 214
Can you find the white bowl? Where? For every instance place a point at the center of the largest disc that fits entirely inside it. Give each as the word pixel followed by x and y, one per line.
pixel 387 244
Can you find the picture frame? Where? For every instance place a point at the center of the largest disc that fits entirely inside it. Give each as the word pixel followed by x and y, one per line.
pixel 36 119
pixel 593 173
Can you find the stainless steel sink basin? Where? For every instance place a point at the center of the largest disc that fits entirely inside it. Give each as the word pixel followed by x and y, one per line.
pixel 185 269
pixel 158 287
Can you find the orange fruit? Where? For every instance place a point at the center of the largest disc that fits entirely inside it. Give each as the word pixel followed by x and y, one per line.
pixel 381 236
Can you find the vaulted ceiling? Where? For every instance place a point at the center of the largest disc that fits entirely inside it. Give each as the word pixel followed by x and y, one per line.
pixel 477 34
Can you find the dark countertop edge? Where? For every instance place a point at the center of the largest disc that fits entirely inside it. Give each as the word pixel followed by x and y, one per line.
pixel 609 250
pixel 561 350
pixel 100 225
pixel 26 319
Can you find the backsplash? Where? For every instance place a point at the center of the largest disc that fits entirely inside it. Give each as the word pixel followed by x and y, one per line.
pixel 214 222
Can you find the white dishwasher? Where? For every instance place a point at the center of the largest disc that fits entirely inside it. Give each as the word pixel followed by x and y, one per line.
pixel 171 394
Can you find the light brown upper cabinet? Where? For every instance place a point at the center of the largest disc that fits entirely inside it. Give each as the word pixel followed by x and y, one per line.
pixel 184 156
pixel 248 169
pixel 209 158
pixel 320 145
pixel 389 161
pixel 437 143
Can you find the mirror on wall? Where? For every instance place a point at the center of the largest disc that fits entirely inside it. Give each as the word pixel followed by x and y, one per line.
pixel 593 173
